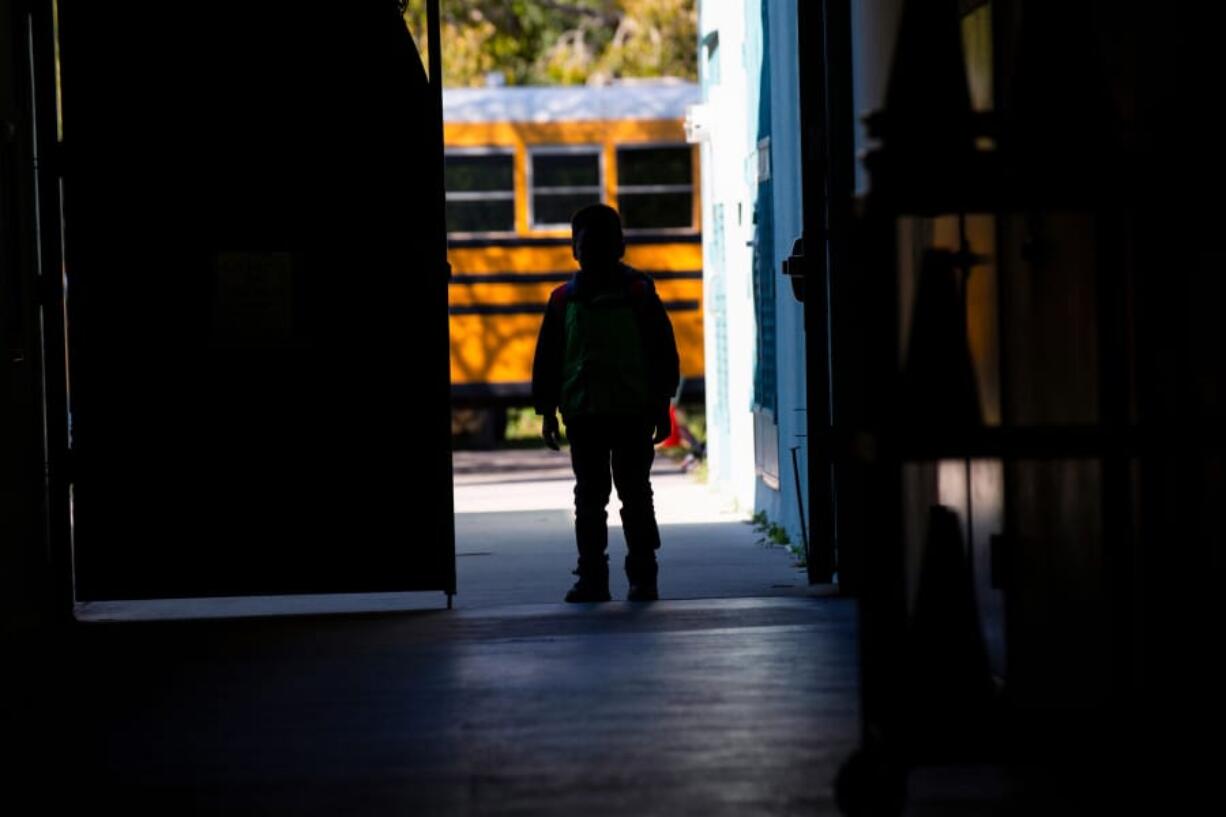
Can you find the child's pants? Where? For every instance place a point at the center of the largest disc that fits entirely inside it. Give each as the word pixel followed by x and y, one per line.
pixel 622 445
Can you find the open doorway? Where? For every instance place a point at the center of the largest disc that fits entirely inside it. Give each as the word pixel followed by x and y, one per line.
pixel 243 342
pixel 545 113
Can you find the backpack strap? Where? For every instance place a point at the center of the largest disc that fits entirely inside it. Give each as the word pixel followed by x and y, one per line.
pixel 559 298
pixel 639 288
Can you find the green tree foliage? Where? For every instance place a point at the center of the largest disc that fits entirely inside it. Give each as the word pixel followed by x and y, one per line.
pixel 538 42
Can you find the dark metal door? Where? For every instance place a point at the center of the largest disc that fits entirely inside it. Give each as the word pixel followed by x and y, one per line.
pixel 824 32
pixel 256 297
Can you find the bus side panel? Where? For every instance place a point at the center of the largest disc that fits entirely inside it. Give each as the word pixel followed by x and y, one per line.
pixel 498 296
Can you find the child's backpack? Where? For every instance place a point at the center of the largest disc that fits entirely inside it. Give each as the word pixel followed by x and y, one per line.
pixel 604 362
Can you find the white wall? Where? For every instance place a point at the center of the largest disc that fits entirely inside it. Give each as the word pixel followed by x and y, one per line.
pixel 726 154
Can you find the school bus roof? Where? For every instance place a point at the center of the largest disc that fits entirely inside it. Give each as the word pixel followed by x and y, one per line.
pixel 572 103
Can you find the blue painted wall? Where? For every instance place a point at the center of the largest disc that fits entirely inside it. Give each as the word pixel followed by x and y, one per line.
pixel 782 104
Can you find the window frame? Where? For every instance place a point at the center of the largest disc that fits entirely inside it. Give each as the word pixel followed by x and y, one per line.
pixel 484 195
pixel 691 188
pixel 590 149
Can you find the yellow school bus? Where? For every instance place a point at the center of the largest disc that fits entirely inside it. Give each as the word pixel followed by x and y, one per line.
pixel 519 162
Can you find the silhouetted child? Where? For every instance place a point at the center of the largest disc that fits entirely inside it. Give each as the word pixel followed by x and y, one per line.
pixel 606 358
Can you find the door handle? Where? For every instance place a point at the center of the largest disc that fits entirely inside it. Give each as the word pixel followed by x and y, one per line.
pixel 795 267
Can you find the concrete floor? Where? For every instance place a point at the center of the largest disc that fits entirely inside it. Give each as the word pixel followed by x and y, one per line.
pixel 741 699
pixel 515 545
pixel 515 535
pixel 718 707
pixel 705 703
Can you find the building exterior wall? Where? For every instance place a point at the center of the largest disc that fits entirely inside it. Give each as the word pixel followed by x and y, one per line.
pixel 752 206
pixel 728 201
pixel 783 504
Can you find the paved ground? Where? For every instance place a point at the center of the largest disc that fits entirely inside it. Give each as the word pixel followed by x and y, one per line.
pixel 718 707
pixel 515 535
pixel 506 706
pixel 515 545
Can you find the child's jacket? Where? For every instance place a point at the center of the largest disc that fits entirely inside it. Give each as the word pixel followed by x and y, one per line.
pixel 606 348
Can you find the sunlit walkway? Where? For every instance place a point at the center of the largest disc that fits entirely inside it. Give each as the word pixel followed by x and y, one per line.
pixel 515 535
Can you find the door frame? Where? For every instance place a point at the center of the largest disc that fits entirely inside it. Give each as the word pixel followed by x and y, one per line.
pixel 828 183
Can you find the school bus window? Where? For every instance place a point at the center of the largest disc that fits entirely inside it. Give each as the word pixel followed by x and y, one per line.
pixel 563 180
pixel 480 192
pixel 655 187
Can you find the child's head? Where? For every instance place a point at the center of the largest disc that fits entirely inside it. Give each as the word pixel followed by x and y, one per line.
pixel 596 237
